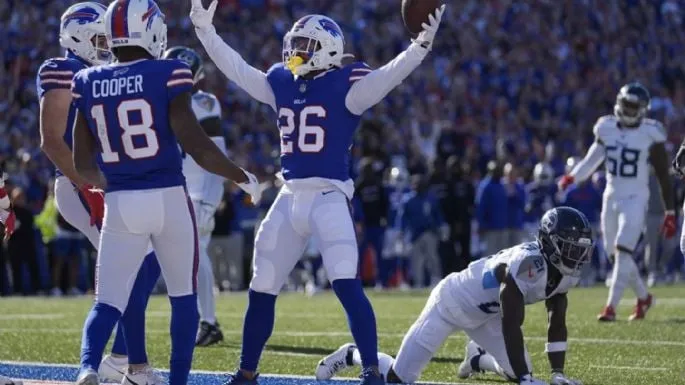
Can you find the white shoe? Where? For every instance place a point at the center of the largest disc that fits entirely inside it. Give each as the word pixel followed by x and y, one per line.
pixel 465 369
pixel 112 369
pixel 330 365
pixel 8 381
pixel 146 376
pixel 88 377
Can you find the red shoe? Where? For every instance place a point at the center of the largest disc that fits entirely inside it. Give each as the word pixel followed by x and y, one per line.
pixel 607 315
pixel 641 308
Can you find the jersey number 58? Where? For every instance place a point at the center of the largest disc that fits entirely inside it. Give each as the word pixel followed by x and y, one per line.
pixel 310 138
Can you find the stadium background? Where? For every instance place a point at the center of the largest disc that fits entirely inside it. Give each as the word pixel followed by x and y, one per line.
pixel 519 82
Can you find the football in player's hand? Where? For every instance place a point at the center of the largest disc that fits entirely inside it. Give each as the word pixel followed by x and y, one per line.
pixel 415 13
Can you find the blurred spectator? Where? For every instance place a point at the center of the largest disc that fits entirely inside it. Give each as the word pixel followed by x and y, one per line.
pixel 444 191
pixel 540 197
pixel 67 248
pixel 226 243
pixel 464 207
pixel 22 247
pixel 492 210
pixel 422 223
pixel 516 202
pixel 657 249
pixel 371 193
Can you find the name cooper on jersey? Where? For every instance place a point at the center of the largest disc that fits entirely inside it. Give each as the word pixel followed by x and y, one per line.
pixel 103 88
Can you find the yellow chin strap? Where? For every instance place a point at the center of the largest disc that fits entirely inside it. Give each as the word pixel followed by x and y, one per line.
pixel 293 63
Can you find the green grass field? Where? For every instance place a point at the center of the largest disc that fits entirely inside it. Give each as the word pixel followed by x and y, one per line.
pixel 643 353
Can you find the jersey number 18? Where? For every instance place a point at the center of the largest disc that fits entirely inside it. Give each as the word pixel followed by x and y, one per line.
pixel 124 112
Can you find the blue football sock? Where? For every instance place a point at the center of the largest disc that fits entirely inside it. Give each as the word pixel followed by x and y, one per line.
pixel 184 323
pixel 119 345
pixel 257 328
pixel 96 331
pixel 360 318
pixel 133 319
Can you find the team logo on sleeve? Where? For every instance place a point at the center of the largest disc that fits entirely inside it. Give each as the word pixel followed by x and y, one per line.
pixel 205 101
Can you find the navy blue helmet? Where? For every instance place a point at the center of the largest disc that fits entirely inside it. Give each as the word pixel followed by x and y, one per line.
pixel 565 237
pixel 632 103
pixel 190 57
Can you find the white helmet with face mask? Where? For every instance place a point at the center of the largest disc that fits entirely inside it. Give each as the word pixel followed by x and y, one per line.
pixel 314 43
pixel 82 31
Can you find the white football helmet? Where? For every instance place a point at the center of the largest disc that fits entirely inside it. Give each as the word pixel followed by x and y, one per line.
pixel 137 23
pixel 315 42
pixel 82 31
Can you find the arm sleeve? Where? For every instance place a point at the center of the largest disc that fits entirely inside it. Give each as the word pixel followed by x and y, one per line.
pixel 375 85
pixel 592 160
pixel 180 80
pixel 55 74
pixel 250 79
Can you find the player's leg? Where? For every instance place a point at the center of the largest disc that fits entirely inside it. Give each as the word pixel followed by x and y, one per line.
pixel 209 332
pixel 419 345
pixel 609 226
pixel 74 210
pixel 333 229
pixel 486 352
pixel 124 229
pixel 176 245
pixel 631 222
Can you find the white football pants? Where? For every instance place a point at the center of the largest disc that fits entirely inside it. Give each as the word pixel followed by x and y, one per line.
pixel 204 215
pixel 293 218
pixel 132 220
pixel 439 320
pixel 73 209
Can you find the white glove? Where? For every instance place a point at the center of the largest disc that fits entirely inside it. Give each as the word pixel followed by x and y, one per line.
pixel 252 187
pixel 558 378
pixel 426 37
pixel 205 217
pixel 201 17
pixel 530 380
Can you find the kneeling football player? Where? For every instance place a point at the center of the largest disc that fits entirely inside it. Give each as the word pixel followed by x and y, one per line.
pixel 487 301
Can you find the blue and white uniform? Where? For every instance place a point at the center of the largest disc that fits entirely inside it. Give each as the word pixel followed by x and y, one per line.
pixel 56 74
pixel 126 107
pixel 317 119
pixel 205 191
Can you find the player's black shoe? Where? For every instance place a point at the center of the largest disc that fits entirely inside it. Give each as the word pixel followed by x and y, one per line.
pixel 239 379
pixel 208 334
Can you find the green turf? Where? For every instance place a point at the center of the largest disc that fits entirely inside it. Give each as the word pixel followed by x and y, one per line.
pixel 643 353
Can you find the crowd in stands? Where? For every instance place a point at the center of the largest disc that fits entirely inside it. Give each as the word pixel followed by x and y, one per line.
pixel 516 82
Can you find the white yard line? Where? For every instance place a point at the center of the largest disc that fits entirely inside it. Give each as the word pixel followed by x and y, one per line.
pixel 640 368
pixel 459 336
pixel 44 316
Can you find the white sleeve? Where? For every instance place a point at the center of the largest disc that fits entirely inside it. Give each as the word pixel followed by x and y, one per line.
pixel 250 79
pixel 372 88
pixel 594 157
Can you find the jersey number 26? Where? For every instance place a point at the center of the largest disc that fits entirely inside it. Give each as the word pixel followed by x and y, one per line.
pixel 143 127
pixel 315 134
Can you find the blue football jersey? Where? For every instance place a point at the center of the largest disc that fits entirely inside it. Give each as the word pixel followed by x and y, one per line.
pixel 127 109
pixel 315 125
pixel 57 73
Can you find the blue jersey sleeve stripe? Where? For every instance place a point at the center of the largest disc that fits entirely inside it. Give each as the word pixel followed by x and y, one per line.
pixel 178 82
pixel 182 71
pixel 59 82
pixel 56 73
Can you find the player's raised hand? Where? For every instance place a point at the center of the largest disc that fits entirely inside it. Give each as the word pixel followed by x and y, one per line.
pixel 564 182
pixel 252 187
pixel 201 17
pixel 560 379
pixel 669 227
pixel 426 37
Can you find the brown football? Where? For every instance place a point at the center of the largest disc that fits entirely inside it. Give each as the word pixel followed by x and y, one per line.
pixel 415 12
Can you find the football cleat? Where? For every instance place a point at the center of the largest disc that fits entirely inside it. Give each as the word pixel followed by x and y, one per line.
pixel 471 352
pixel 641 308
pixel 607 315
pixel 371 376
pixel 145 376
pixel 88 377
pixel 238 378
pixel 113 369
pixel 208 334
pixel 8 381
pixel 333 363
